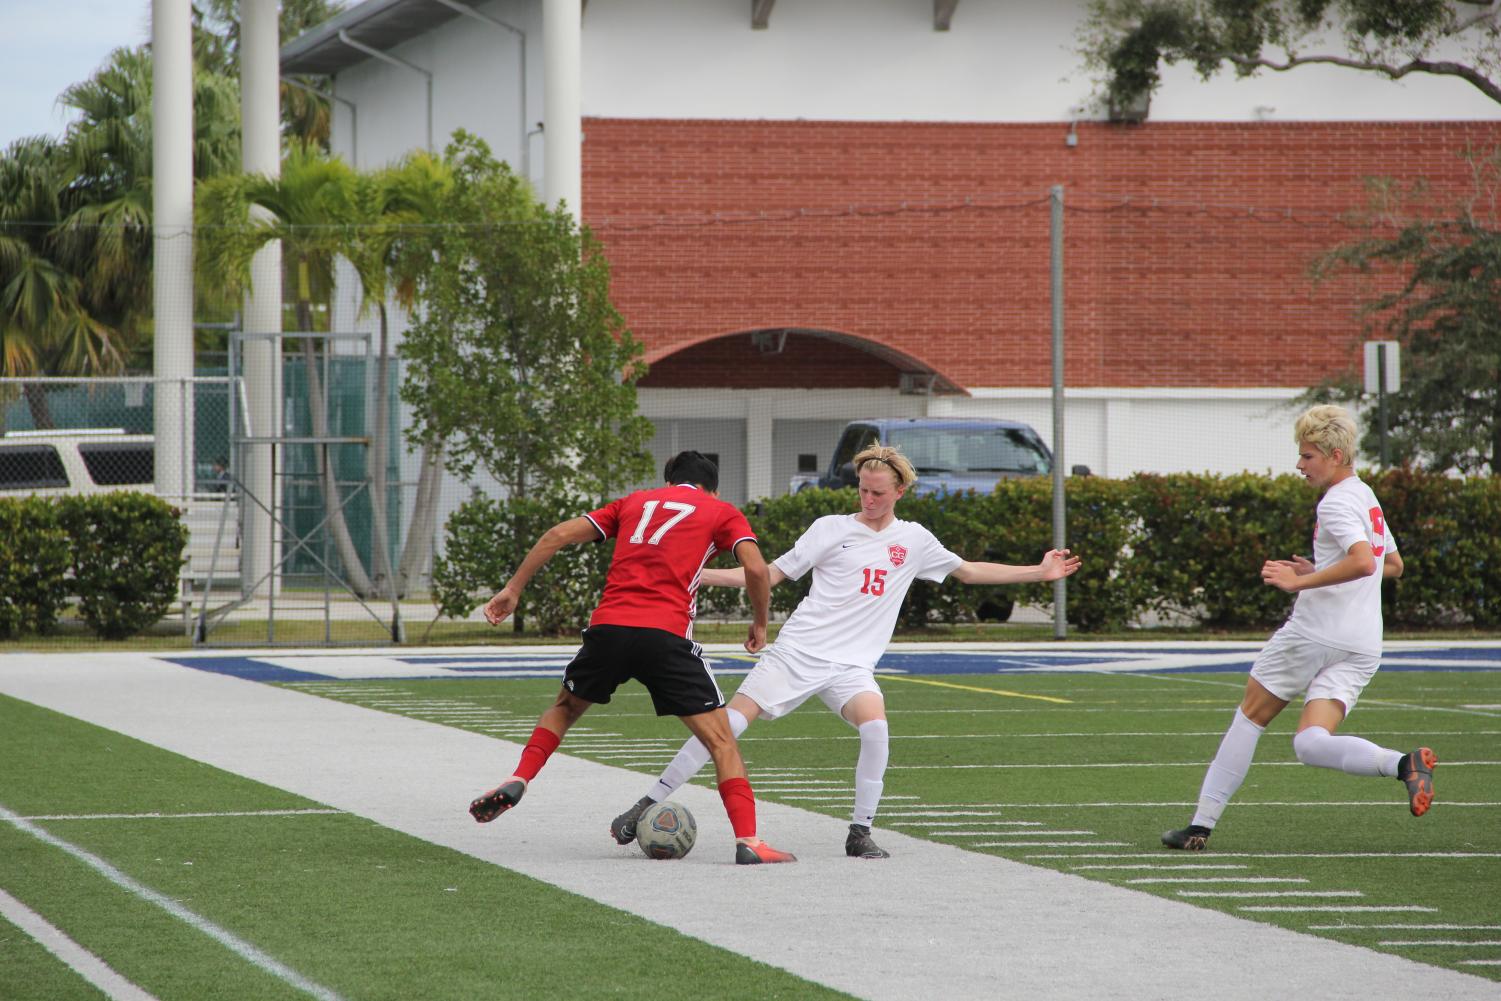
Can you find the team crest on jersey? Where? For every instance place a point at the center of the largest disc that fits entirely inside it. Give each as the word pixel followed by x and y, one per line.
pixel 898 555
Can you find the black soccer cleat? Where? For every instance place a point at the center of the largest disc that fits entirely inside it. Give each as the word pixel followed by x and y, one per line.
pixel 623 827
pixel 1416 773
pixel 760 853
pixel 1192 838
pixel 498 800
pixel 860 845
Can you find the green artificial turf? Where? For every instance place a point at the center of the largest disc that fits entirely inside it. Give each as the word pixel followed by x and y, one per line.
pixel 1119 758
pixel 361 910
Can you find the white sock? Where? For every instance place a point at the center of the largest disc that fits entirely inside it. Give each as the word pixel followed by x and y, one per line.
pixel 1228 769
pixel 693 756
pixel 870 770
pixel 1355 755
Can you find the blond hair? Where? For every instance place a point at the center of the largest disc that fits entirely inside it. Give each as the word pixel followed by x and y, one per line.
pixel 1326 428
pixel 890 457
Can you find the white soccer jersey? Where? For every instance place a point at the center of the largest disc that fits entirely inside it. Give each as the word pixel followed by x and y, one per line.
pixel 1345 616
pixel 859 580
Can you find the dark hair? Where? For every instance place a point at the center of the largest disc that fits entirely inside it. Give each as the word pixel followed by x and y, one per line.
pixel 692 467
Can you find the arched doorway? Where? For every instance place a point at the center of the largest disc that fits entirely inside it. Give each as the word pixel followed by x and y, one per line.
pixel 770 403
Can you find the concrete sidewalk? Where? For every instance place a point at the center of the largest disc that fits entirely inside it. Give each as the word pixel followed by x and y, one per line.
pixel 933 921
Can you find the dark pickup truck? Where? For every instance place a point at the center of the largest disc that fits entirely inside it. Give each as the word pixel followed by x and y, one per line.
pixel 949 453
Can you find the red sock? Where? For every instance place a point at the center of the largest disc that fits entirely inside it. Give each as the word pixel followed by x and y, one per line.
pixel 740 804
pixel 538 750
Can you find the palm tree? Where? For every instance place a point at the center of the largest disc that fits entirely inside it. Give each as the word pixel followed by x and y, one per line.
pixel 311 205
pixel 106 237
pixel 305 114
pixel 45 323
pixel 388 205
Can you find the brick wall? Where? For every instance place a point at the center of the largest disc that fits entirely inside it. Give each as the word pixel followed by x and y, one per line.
pixel 1186 256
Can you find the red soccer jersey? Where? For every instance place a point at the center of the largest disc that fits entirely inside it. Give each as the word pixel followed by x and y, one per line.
pixel 663 539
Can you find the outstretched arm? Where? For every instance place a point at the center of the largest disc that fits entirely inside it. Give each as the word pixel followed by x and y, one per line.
pixel 1055 564
pixel 736 577
pixel 564 533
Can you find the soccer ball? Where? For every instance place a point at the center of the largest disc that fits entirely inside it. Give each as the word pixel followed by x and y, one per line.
pixel 666 830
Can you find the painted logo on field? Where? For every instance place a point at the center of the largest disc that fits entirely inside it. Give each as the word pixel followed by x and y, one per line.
pixel 898 555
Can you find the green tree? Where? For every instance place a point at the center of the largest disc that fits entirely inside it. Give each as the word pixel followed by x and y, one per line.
pixel 1127 41
pixel 518 362
pixel 387 247
pixel 46 327
pixel 106 238
pixel 1444 307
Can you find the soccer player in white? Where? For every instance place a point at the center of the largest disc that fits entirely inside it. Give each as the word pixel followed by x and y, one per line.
pixel 862 565
pixel 1330 647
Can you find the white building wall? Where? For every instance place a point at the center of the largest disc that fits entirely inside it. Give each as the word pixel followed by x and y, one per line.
pixel 841 60
pixel 881 60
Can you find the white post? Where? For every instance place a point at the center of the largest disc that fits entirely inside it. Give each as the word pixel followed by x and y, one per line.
pixel 760 415
pixel 260 117
pixel 172 243
pixel 562 135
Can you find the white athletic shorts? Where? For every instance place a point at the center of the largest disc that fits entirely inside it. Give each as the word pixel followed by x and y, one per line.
pixel 1290 665
pixel 783 679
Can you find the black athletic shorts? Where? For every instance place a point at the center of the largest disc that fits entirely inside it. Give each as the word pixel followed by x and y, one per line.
pixel 671 667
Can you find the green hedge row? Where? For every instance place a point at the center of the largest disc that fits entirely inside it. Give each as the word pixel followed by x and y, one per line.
pixel 1181 545
pixel 119 554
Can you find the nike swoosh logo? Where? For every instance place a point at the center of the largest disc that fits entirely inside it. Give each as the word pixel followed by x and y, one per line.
pixel 848 544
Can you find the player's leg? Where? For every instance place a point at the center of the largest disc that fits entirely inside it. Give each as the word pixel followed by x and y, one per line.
pixel 599 667
pixel 691 757
pixel 713 730
pixel 1231 763
pixel 546 736
pixel 866 712
pixel 674 671
pixel 1283 669
pixel 1332 694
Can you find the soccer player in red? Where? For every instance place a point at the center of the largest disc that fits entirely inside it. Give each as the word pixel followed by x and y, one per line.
pixel 642 629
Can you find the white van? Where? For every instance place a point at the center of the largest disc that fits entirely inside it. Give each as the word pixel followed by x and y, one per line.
pixel 96 460
pixel 80 461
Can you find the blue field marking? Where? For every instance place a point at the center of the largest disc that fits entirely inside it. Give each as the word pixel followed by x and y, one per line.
pixel 1488 654
pixel 1146 658
pixel 248 668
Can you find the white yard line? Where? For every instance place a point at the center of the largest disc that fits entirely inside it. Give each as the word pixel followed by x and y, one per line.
pixel 180 816
pixel 1216 879
pixel 1436 941
pixel 1339 855
pixel 82 962
pixel 261 960
pixel 1084 937
pixel 1193 866
pixel 1337 908
pixel 1410 927
pixel 1270 893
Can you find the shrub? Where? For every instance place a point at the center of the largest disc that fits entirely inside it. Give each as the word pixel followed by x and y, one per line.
pixel 1202 541
pixel 1100 529
pixel 33 566
pixel 1449 534
pixel 127 552
pixel 486 540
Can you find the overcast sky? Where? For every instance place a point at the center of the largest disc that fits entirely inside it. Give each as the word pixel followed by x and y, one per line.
pixel 47 45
